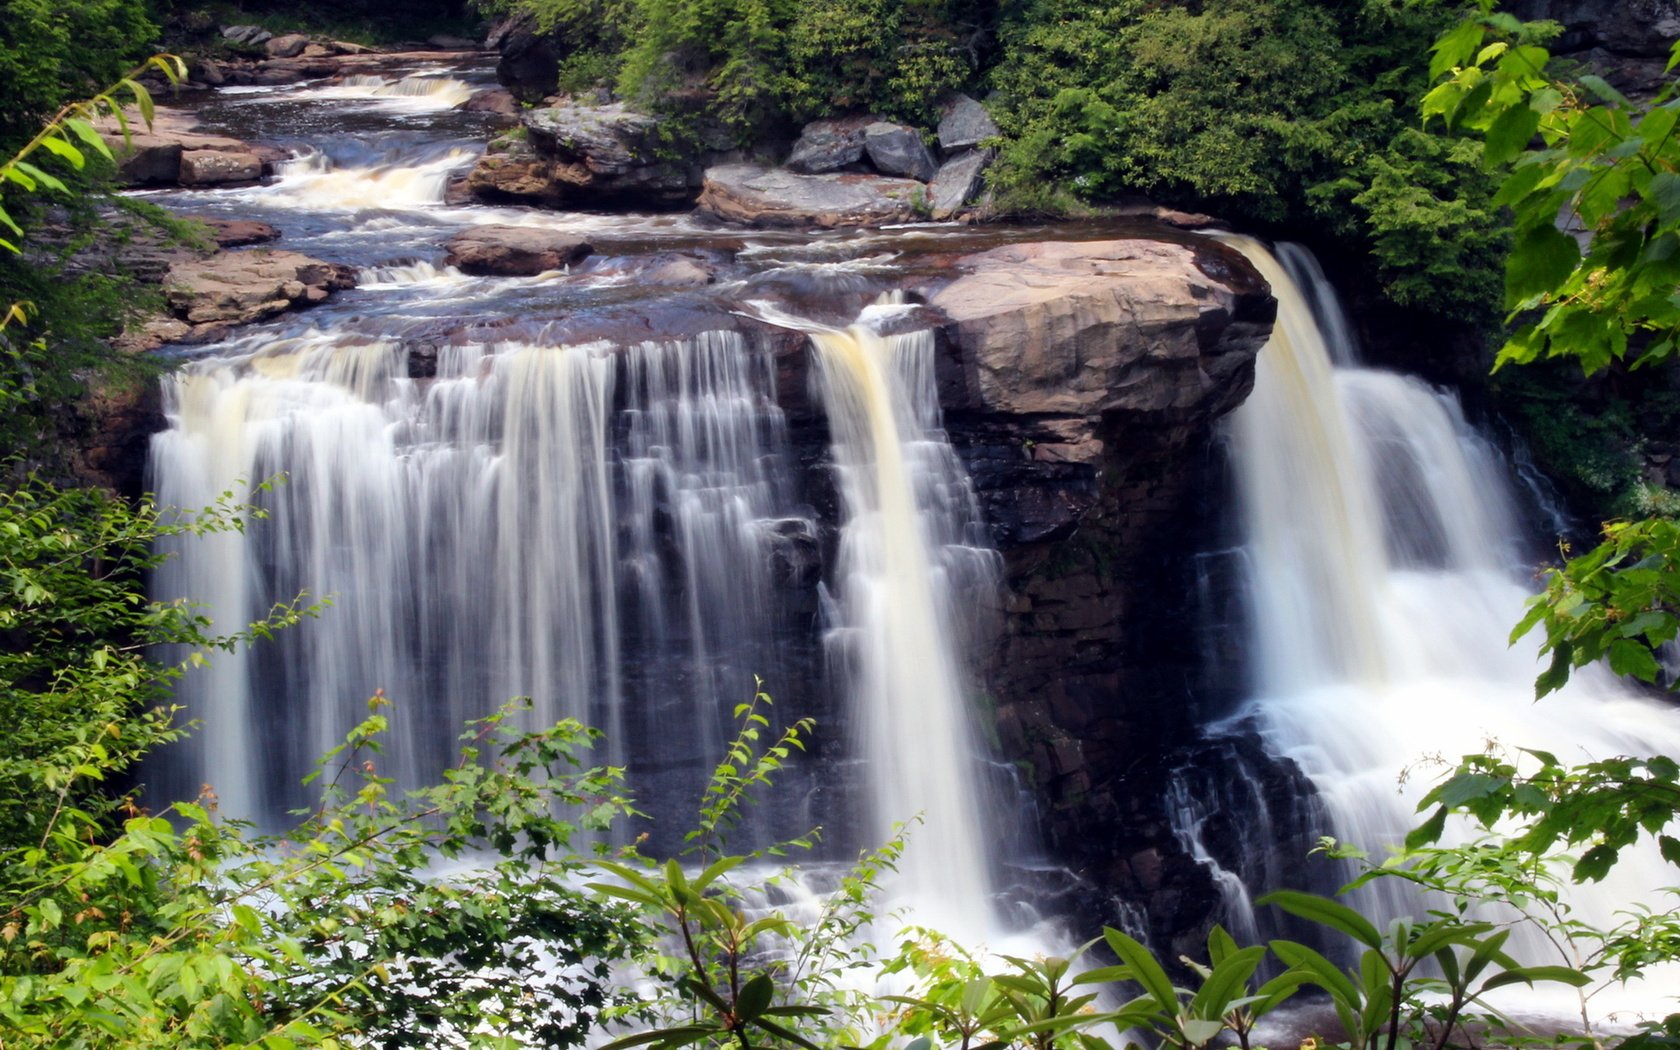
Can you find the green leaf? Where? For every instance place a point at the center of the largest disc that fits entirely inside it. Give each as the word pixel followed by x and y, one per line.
pixel 1540 261
pixel 755 997
pixel 1429 831
pixel 1530 974
pixel 1509 134
pixel 1631 659
pixel 1198 1032
pixel 1326 912
pixel 1144 969
pixel 1316 969
pixel 1602 89
pixel 62 148
pixel 1664 195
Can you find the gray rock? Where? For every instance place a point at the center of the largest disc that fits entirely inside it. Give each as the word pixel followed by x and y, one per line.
pixel 530 61
pixel 829 145
pixel 252 35
pixel 957 182
pixel 146 160
pixel 897 149
pixel 513 251
pixel 964 123
pixel 203 167
pixel 289 46
pixel 758 196
pixel 446 42
pixel 604 155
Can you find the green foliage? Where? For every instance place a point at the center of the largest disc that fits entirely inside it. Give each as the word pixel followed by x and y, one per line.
pixel 52 51
pixel 84 700
pixel 339 933
pixel 1608 166
pixel 1281 113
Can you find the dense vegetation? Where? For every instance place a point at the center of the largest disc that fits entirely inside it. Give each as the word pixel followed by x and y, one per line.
pixel 122 929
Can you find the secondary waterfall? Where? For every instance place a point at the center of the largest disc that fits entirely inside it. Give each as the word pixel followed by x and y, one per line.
pixel 1385 581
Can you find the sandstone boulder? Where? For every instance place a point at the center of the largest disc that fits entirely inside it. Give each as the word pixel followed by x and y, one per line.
pixel 758 196
pixel 829 145
pixel 897 149
pixel 964 123
pixel 239 287
pixel 1132 329
pixel 513 251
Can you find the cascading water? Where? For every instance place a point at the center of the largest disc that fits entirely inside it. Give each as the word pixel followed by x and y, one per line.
pixel 1385 581
pixel 619 530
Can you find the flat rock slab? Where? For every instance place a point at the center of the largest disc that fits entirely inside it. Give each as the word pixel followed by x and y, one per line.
pixel 758 196
pixel 239 287
pixel 513 251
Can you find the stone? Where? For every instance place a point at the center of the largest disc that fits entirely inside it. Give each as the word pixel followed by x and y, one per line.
pixel 208 72
pixel 314 50
pixel 956 183
pixel 240 287
pixel 1126 328
pixel 511 171
pixel 290 45
pixel 759 196
pixel 146 160
pixel 448 42
pixel 201 167
pixel 607 155
pixel 255 36
pixel 493 100
pixel 964 123
pixel 345 47
pixel 240 233
pixel 513 251
pixel 897 149
pixel 529 61
pixel 829 145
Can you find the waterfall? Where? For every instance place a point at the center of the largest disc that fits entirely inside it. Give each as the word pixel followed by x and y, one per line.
pixel 1385 578
pixel 610 530
pixel 909 554
pixel 480 535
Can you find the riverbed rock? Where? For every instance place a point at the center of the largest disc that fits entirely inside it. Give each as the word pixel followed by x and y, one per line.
pixel 513 251
pixel 964 123
pixel 759 196
pixel 829 145
pixel 240 287
pixel 202 167
pixel 956 183
pixel 897 149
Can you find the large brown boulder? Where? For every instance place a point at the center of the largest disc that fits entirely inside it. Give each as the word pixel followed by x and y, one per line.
pixel 171 153
pixel 1138 329
pixel 513 251
pixel 758 196
pixel 239 287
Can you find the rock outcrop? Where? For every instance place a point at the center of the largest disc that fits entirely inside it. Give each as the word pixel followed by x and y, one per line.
pixel 585 156
pixel 759 196
pixel 1625 41
pixel 829 145
pixel 240 287
pixel 172 153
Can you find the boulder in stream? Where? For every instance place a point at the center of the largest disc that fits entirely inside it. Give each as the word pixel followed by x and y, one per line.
pixel 513 251
pixel 897 149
